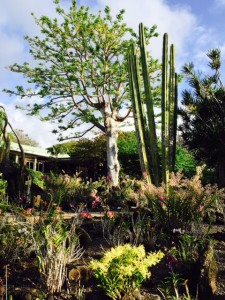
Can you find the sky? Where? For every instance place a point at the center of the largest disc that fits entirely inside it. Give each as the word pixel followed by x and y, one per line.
pixel 194 26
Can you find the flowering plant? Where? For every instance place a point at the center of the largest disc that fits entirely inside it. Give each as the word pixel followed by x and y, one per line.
pixel 122 270
pixel 96 202
pixel 86 214
pixel 184 205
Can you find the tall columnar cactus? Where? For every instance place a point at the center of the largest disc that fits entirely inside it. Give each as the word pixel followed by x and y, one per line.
pixel 172 108
pixel 144 111
pixel 151 129
pixel 165 112
pixel 139 113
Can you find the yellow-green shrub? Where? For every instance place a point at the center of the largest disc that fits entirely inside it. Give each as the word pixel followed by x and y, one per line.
pixel 122 270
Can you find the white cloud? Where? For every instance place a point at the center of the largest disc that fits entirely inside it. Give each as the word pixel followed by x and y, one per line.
pixel 18 15
pixel 177 21
pixel 192 39
pixel 16 22
pixel 219 3
pixel 36 129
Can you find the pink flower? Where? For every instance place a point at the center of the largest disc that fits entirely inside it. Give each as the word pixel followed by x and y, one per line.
pixel 89 215
pixel 201 207
pixel 145 174
pixel 171 260
pixel 93 204
pixel 96 202
pixel 162 202
pixel 97 199
pixel 86 214
pixel 110 214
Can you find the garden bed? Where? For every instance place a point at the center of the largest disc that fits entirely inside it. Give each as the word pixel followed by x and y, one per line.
pixel 24 277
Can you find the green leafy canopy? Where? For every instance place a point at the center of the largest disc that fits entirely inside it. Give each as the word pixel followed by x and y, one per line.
pixel 203 114
pixel 79 68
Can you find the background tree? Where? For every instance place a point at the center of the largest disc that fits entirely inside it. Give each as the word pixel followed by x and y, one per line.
pixel 81 72
pixel 203 114
pixel 24 138
pixel 12 173
pixel 90 153
pixel 55 150
pixel 128 154
pixel 185 162
pixel 4 136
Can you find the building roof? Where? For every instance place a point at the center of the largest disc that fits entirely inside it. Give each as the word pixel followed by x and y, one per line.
pixel 35 151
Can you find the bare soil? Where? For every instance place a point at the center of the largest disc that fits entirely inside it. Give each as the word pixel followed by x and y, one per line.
pixel 23 278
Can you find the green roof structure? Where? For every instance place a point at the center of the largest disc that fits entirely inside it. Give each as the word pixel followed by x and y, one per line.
pixel 38 151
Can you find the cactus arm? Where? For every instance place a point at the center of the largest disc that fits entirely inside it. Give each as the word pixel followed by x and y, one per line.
pixel 165 112
pixel 171 107
pixel 175 122
pixel 153 147
pixel 139 121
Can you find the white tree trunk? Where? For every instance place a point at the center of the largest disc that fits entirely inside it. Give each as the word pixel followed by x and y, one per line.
pixel 113 165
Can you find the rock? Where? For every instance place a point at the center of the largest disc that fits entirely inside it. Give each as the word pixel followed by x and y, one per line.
pixel 80 273
pixel 2 288
pixel 154 297
pixel 50 297
pixel 27 294
pixel 147 296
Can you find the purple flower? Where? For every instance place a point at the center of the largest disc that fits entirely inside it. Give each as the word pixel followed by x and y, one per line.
pixel 171 260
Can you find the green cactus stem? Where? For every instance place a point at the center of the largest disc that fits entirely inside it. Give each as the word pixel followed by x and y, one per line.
pixel 138 111
pixel 165 112
pixel 153 147
pixel 144 110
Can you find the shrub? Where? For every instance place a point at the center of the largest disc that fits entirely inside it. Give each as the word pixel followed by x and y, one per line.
pixel 65 190
pixel 36 177
pixel 122 270
pixel 185 204
pixel 15 242
pixel 3 186
pixel 125 196
pixel 56 244
pixel 128 227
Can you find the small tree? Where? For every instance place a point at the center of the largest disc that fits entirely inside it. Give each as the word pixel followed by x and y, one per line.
pixel 13 173
pixel 24 138
pixel 203 114
pixel 81 73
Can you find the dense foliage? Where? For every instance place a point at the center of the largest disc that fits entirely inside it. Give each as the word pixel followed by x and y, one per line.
pixel 203 115
pixel 122 270
pixel 92 152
